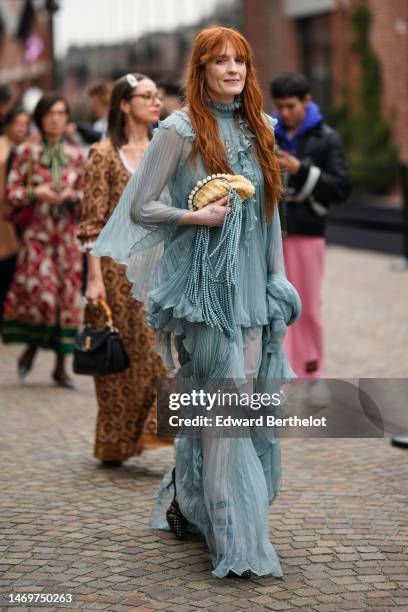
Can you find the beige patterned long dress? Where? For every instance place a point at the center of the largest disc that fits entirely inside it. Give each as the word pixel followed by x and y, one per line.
pixel 126 422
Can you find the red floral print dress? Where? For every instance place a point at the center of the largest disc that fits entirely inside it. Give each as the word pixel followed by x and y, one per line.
pixel 43 306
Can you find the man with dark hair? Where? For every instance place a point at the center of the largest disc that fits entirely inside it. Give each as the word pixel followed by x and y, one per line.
pixel 171 94
pixel 315 174
pixel 99 94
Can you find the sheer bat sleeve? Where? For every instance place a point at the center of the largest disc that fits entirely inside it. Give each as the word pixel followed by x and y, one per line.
pixel 144 215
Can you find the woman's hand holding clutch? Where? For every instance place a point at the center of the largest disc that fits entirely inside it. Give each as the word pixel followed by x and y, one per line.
pixel 206 205
pixel 211 215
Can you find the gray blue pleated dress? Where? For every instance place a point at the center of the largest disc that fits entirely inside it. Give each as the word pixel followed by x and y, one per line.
pixel 224 485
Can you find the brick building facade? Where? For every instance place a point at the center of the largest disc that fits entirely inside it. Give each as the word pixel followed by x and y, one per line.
pixel 314 36
pixel 161 55
pixel 26 44
pixel 311 36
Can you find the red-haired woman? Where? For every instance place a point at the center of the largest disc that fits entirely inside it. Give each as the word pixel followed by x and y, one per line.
pixel 227 320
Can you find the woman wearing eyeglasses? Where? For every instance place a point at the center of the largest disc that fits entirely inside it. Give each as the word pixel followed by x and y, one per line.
pixel 126 422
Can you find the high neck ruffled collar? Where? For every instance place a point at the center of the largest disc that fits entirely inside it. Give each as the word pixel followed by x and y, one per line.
pixel 220 109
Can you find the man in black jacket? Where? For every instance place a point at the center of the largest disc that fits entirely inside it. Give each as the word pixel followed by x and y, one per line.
pixel 315 174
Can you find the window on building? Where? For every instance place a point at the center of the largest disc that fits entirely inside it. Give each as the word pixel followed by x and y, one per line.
pixel 315 45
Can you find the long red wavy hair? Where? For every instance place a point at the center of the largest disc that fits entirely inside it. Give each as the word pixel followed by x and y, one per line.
pixel 207 46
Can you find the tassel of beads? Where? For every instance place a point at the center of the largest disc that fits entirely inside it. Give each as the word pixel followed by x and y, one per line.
pixel 213 276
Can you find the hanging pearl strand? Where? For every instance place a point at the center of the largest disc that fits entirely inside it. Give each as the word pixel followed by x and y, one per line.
pixel 212 284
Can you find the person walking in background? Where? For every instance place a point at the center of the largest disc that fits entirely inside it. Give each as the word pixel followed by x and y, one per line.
pixel 16 125
pixel 221 486
pixel 171 95
pixel 316 174
pixel 126 422
pixel 43 306
pixel 99 94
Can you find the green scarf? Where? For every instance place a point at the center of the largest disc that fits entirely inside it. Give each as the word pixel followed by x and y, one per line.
pixel 54 158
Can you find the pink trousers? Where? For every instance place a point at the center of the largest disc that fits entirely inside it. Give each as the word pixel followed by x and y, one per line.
pixel 304 264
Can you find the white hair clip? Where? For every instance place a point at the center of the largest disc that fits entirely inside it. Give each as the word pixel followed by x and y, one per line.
pixel 132 80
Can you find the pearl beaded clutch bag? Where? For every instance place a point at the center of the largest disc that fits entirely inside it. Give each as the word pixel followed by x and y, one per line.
pixel 217 186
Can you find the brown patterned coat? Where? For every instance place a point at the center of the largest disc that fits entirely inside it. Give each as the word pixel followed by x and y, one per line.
pixel 126 422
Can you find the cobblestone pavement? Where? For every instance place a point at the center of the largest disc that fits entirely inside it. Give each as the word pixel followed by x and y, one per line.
pixel 340 523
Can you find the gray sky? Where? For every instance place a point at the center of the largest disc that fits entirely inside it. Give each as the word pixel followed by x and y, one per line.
pixel 106 21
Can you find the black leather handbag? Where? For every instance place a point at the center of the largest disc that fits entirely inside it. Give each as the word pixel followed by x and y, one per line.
pixel 99 351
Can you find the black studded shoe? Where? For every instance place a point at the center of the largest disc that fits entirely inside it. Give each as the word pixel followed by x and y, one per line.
pixel 177 522
pixel 247 575
pixel 111 463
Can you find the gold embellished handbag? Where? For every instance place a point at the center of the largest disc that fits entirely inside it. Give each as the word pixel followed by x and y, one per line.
pixel 217 186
